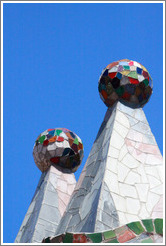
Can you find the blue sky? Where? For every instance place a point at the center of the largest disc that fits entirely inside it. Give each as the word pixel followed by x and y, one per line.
pixel 53 57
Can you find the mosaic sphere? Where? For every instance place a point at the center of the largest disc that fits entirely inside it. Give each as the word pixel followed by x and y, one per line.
pixel 127 81
pixel 59 147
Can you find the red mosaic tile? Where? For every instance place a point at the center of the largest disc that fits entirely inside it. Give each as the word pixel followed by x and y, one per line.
pixel 133 81
pixel 112 75
pixel 126 95
pixel 55 160
pixel 80 146
pixel 104 94
pixel 60 139
pixel 145 74
pixel 79 238
pixel 71 142
pixel 75 147
pixel 131 63
pixel 46 142
pixel 126 236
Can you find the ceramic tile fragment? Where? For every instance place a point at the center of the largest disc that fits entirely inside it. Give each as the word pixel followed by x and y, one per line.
pixel 143 212
pixel 122 171
pixel 157 190
pixel 133 205
pixel 112 181
pixel 152 200
pixel 122 119
pixel 122 218
pixel 132 178
pixel 141 171
pixel 113 152
pixel 152 171
pixel 116 140
pixel 153 181
pixel 129 161
pixel 127 190
pixel 158 209
pixel 135 136
pixel 112 164
pixel 138 155
pixel 153 159
pixel 142 190
pixel 120 202
pixel 131 217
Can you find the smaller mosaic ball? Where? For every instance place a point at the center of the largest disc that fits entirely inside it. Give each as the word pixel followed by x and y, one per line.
pixel 127 81
pixel 59 147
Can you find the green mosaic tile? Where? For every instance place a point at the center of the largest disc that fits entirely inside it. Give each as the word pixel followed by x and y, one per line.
pixel 159 226
pixel 113 241
pixel 136 227
pixel 95 237
pixel 58 132
pixel 103 87
pixel 148 225
pixel 149 240
pixel 47 240
pixel 126 67
pixel 68 238
pixel 76 141
pixel 109 234
pixel 133 74
pixel 100 87
pixel 146 82
pixel 120 91
pixel 41 139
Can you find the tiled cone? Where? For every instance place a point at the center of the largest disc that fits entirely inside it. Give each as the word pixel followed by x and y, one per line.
pixel 56 184
pixel 122 179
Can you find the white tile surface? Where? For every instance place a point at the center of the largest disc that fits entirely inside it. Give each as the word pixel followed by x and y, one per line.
pixel 122 130
pixel 122 119
pixel 142 173
pixel 152 170
pixel 127 190
pixel 113 152
pixel 132 178
pixel 123 152
pixel 153 181
pixel 158 190
pixel 143 212
pixel 112 181
pixel 131 218
pixel 122 171
pixel 120 202
pixel 122 218
pixel 116 140
pixel 153 159
pixel 152 200
pixel 132 205
pixel 142 190
pixel 112 164
pixel 129 161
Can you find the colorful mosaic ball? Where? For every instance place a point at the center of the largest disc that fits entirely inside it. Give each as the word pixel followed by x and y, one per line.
pixel 127 81
pixel 59 147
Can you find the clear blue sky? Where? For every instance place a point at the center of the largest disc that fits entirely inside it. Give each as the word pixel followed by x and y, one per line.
pixel 53 57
